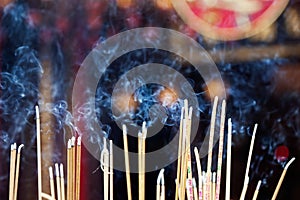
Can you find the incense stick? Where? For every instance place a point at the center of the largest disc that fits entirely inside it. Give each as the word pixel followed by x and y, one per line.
pixel 69 171
pixel 163 192
pixel 199 170
pixel 228 161
pixel 38 149
pixel 104 166
pixel 111 171
pixel 13 148
pixel 140 164
pixel 281 178
pixel 188 144
pixel 180 183
pixel 210 148
pixel 213 188
pixel 179 154
pixel 246 180
pixel 256 190
pixel 144 131
pixel 46 196
pixel 184 159
pixel 73 167
pixel 51 179
pixel 127 166
pixel 78 168
pixel 159 183
pixel 204 185
pixel 17 171
pixel 142 149
pixel 62 181
pixel 220 152
pixel 195 189
pixel 57 182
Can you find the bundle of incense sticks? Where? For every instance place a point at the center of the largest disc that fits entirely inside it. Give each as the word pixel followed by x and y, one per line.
pixel 184 166
pixel 209 182
pixel 73 168
pixel 14 170
pixel 106 162
pixel 59 180
pixel 141 161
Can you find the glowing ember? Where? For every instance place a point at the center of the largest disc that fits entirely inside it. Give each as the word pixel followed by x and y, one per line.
pixel 124 103
pixel 168 97
pixel 214 88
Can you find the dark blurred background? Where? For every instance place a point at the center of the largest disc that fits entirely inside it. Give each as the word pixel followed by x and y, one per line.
pixel 44 42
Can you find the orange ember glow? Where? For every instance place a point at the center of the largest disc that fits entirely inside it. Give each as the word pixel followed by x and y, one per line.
pixel 164 4
pixel 125 3
pixel 168 97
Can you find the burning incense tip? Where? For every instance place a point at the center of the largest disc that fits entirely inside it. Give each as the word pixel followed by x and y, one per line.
pixel 182 111
pixel 50 173
pixel 37 112
pixel 73 141
pixel 258 185
pixel 190 112
pixel 79 141
pixel 289 163
pixel 61 169
pixel 69 144
pixel 160 175
pixel 124 129
pixel 56 170
pixel 20 148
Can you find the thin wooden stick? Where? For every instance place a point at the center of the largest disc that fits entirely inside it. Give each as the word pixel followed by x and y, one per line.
pixel 13 148
pixel 38 150
pixel 204 185
pixel 179 154
pixel 105 168
pixel 111 171
pixel 158 185
pixel 62 181
pixel 184 164
pixel 195 190
pixel 220 152
pixel 140 164
pixel 143 154
pixel 256 190
pixel 281 178
pixel 127 166
pixel 213 188
pixel 46 196
pixel 228 161
pixel 78 168
pixel 57 182
pixel 210 148
pixel 17 171
pixel 73 167
pixel 189 163
pixel 163 192
pixel 51 179
pixel 246 180
pixel 69 171
pixel 199 170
